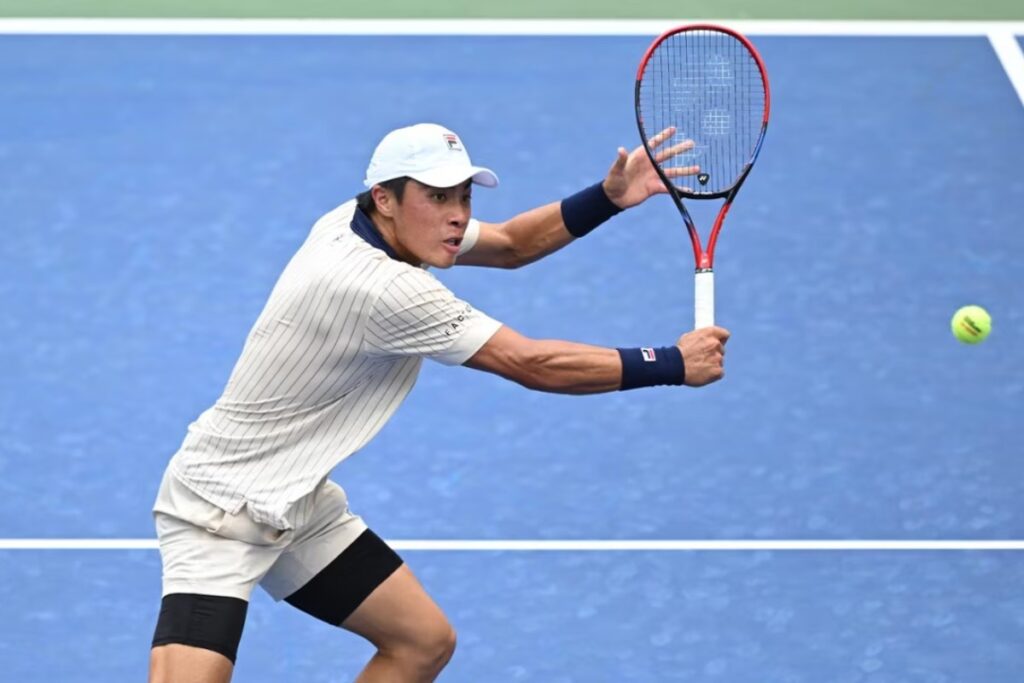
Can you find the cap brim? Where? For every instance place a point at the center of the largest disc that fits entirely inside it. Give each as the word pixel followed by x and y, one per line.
pixel 450 176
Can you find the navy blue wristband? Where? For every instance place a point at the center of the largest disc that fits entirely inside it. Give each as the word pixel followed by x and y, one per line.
pixel 648 367
pixel 587 209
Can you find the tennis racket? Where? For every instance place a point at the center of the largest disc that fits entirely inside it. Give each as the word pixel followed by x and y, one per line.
pixel 709 83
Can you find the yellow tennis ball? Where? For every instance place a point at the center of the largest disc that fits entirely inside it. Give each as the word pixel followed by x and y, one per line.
pixel 971 324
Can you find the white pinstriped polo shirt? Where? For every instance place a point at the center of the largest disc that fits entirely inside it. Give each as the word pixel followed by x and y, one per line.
pixel 333 354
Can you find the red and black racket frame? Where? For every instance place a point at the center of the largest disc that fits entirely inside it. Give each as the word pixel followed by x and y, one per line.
pixel 704 259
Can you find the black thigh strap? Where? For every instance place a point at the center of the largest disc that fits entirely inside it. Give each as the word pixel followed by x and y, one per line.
pixel 336 592
pixel 211 622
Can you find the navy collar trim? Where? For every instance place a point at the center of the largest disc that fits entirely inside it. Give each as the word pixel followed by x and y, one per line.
pixel 364 227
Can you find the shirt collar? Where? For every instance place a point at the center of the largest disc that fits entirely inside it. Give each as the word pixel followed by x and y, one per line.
pixel 364 227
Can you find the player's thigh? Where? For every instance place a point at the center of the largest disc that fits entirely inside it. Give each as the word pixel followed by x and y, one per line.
pixel 342 573
pixel 211 561
pixel 400 614
pixel 176 663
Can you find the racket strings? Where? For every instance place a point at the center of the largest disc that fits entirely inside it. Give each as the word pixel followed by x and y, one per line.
pixel 709 86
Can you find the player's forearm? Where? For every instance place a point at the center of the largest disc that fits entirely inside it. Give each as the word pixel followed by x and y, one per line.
pixel 563 367
pixel 543 231
pixel 537 233
pixel 560 367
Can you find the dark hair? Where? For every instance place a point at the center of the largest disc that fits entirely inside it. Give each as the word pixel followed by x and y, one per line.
pixel 364 200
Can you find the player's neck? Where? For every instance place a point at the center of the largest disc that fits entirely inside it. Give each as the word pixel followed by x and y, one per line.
pixel 386 227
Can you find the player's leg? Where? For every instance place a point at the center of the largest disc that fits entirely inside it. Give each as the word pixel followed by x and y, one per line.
pixel 196 638
pixel 369 591
pixel 212 560
pixel 170 663
pixel 413 637
pixel 340 572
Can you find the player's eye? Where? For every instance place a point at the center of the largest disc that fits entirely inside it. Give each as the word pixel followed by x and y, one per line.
pixel 440 196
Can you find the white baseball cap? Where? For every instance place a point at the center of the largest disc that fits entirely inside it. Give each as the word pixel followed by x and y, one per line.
pixel 426 152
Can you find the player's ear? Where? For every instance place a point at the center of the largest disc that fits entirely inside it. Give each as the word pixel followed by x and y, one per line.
pixel 384 200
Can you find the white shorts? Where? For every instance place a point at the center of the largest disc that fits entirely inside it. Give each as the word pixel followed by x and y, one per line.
pixel 206 550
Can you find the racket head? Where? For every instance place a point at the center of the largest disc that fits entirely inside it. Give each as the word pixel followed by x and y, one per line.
pixel 710 84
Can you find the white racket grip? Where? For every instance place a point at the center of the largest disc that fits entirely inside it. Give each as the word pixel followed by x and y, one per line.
pixel 704 299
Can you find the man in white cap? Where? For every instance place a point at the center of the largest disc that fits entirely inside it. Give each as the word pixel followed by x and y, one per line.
pixel 246 500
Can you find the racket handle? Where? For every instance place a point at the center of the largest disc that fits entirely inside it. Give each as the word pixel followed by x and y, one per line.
pixel 704 299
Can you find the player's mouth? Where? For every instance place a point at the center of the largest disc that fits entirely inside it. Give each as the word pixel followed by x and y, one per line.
pixel 452 244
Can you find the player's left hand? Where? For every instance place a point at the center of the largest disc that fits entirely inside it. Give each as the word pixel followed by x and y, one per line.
pixel 632 178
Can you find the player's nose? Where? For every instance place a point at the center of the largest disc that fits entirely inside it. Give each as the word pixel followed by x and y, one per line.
pixel 460 218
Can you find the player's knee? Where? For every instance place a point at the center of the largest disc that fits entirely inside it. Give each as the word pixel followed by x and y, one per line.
pixel 432 649
pixel 446 645
pixel 437 645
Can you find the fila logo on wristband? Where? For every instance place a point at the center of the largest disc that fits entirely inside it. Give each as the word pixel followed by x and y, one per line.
pixel 647 367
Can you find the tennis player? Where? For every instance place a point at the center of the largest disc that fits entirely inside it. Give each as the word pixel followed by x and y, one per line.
pixel 247 501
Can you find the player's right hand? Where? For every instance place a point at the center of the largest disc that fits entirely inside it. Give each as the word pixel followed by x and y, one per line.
pixel 703 352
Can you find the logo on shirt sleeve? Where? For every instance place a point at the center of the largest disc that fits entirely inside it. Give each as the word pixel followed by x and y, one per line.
pixel 455 326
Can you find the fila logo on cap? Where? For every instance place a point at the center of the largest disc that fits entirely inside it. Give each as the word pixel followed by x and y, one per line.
pixel 453 142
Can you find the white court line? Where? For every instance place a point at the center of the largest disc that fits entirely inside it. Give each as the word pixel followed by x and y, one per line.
pixel 531 27
pixel 564 545
pixel 1008 50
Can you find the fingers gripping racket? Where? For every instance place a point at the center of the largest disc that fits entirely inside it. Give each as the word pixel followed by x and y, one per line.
pixel 709 84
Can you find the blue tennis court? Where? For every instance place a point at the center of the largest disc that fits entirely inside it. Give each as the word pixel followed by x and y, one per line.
pixel 155 186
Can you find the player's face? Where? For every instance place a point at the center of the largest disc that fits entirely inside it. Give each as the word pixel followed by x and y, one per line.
pixel 430 223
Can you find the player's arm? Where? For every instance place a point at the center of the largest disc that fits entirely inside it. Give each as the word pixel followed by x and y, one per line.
pixel 565 367
pixel 527 237
pixel 534 234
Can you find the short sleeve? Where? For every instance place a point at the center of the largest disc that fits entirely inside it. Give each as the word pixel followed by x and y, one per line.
pixel 416 315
